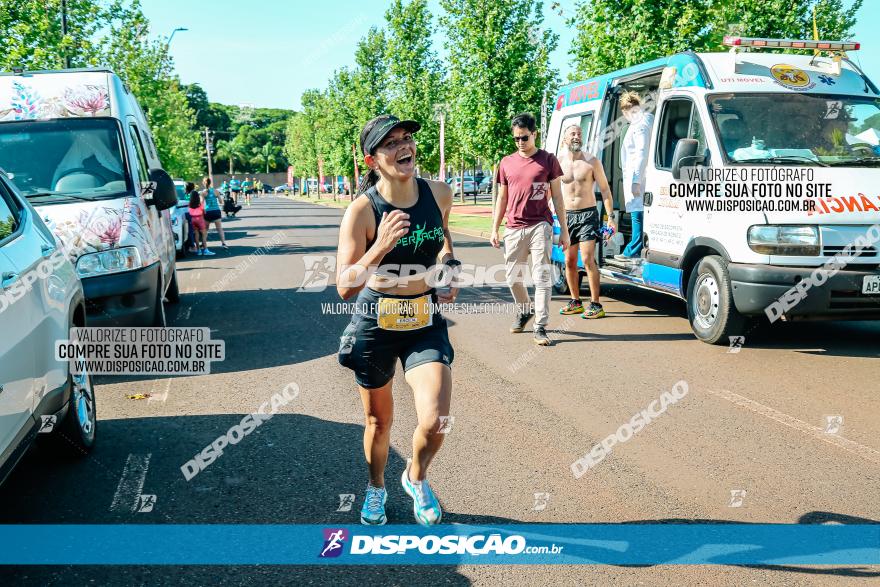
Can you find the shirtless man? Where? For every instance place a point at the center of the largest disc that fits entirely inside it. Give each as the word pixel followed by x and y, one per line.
pixel 580 170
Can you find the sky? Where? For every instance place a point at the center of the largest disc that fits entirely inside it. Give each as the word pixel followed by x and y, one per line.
pixel 265 53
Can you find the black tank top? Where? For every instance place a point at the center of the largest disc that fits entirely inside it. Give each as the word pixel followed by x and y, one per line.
pixel 423 242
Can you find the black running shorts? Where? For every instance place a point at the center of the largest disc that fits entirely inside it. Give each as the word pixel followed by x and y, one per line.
pixel 583 225
pixel 372 353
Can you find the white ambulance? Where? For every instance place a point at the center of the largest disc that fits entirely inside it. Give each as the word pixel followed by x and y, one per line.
pixel 790 118
pixel 78 146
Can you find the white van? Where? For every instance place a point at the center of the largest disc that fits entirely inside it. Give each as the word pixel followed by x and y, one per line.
pixel 78 146
pixel 730 113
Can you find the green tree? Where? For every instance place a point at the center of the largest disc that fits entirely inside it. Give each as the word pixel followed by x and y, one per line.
pixel 499 66
pixel 613 34
pixel 231 151
pixel 415 74
pixel 303 144
pixel 31 32
pixel 343 126
pixel 145 66
pixel 208 114
pixel 268 155
pixel 371 76
pixel 108 33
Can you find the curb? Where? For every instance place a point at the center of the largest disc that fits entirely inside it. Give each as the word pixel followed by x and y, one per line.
pixel 467 232
pixel 473 233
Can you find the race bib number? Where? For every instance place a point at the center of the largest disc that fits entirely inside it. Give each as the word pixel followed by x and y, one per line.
pixel 404 314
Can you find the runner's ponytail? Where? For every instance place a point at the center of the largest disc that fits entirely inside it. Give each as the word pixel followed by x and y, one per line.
pixel 368 181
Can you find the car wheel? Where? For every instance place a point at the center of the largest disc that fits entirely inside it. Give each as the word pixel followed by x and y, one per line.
pixel 159 308
pixel 75 435
pixel 711 311
pixel 181 254
pixel 560 286
pixel 173 292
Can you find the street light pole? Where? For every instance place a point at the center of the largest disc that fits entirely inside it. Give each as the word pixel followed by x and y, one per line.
pixel 181 29
pixel 208 149
pixel 440 112
pixel 168 45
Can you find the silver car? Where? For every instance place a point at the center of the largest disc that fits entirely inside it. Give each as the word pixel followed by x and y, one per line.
pixel 41 298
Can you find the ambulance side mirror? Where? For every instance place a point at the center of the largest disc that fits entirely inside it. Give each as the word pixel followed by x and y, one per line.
pixel 685 155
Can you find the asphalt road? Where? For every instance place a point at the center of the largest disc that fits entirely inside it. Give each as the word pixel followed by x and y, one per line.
pixel 753 422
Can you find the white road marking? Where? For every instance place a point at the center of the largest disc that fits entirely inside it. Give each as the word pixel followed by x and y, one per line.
pixel 184 313
pixel 861 450
pixel 161 397
pixel 131 484
pixel 198 274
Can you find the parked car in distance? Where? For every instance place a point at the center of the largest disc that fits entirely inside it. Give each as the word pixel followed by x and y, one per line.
pixel 179 224
pixel 41 299
pixel 470 186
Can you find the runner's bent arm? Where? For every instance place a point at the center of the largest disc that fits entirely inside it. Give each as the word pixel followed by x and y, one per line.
pixel 353 259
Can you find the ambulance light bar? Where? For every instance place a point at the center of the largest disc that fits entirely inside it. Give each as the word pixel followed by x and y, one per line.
pixel 730 41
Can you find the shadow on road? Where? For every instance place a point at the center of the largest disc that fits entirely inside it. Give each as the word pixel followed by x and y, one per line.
pixel 293 469
pixel 290 470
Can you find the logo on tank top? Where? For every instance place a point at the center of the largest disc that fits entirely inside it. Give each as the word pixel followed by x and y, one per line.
pixel 420 235
pixel 540 189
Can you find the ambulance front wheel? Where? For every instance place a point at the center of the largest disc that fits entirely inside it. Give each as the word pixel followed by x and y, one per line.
pixel 711 311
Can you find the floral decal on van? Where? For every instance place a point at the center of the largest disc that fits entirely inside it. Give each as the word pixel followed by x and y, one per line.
pixel 84 228
pixel 67 101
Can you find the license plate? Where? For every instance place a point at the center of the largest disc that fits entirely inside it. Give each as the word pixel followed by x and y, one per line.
pixel 404 313
pixel 871 285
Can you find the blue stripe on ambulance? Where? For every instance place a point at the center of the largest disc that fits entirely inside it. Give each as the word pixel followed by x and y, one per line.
pixel 663 277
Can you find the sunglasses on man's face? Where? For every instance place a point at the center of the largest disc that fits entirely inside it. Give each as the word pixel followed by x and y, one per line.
pixel 522 138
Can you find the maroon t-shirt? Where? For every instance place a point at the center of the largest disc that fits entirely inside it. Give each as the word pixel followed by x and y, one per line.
pixel 528 187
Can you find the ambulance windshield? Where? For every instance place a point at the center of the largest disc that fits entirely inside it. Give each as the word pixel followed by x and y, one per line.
pixel 797 128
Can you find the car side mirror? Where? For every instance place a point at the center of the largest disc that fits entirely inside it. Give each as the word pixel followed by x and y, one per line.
pixel 164 194
pixel 685 155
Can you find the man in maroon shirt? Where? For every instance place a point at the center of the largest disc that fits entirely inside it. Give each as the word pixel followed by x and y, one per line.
pixel 527 179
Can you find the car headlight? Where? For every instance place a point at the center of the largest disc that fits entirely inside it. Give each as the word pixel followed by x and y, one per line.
pixel 109 261
pixel 784 240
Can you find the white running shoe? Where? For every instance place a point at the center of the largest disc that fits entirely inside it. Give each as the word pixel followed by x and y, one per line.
pixel 426 506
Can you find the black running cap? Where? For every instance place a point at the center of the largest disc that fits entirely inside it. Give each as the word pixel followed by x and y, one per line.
pixel 376 130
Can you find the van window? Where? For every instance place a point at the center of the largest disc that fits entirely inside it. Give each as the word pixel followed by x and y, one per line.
pixel 10 215
pixel 680 120
pixel 143 169
pixel 148 141
pixel 584 121
pixel 51 158
pixel 827 128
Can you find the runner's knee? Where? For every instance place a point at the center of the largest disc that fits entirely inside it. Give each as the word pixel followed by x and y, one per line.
pixel 379 424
